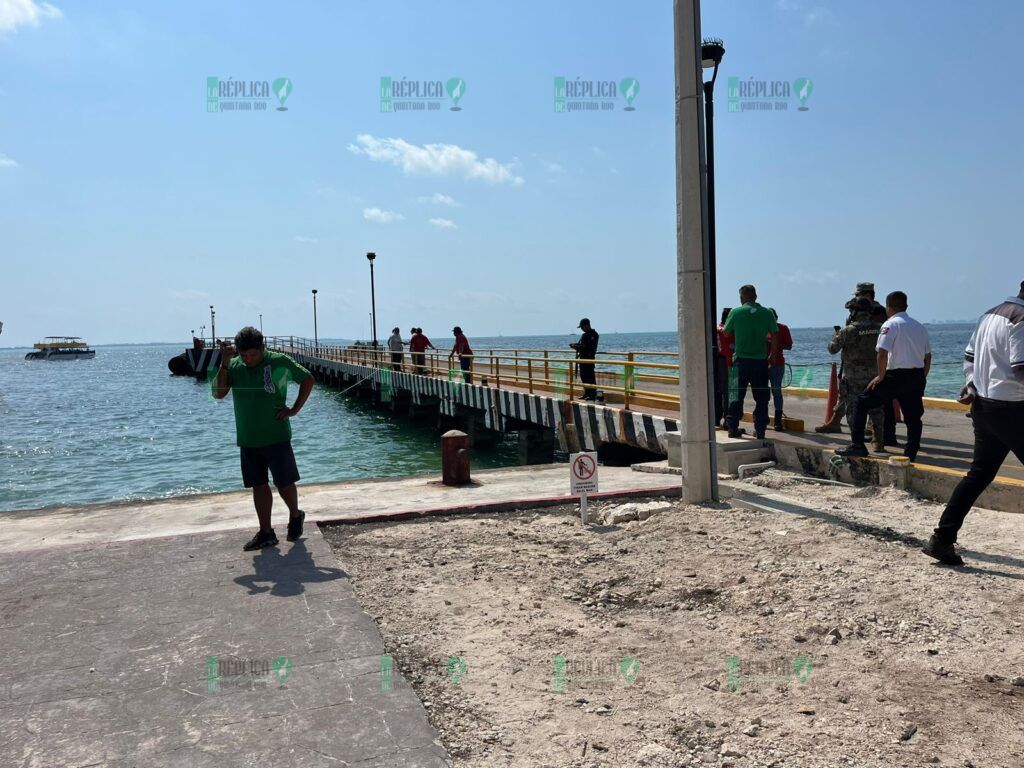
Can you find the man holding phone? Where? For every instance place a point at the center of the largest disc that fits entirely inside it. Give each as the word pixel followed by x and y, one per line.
pixel 258 380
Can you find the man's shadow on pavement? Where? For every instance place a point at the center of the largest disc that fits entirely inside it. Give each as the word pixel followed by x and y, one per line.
pixel 286 573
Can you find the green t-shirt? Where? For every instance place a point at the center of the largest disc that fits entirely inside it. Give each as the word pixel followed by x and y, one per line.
pixel 258 393
pixel 750 326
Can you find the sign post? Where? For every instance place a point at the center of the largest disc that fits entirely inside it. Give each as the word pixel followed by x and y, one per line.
pixel 583 478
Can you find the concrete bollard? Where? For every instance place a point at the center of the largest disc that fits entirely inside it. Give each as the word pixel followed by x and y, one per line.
pixel 455 458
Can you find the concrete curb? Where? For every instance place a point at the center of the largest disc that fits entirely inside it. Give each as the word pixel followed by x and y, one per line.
pixel 503 506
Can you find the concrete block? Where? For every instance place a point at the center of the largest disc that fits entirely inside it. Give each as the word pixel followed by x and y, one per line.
pixel 673 442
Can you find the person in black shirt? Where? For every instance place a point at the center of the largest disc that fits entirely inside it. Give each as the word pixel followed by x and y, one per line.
pixel 586 349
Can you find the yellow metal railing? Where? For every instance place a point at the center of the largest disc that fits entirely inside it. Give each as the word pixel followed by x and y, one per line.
pixel 530 370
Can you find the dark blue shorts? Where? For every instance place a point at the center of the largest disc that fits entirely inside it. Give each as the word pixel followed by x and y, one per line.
pixel 277 458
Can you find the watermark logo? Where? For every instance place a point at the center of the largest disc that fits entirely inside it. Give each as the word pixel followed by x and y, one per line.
pixel 776 670
pixel 246 95
pixel 455 668
pixel 580 95
pixel 593 673
pixel 420 95
pixel 768 95
pixel 456 87
pixel 220 670
pixel 282 89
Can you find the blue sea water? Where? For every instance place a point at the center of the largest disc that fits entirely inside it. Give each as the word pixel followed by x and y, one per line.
pixel 120 428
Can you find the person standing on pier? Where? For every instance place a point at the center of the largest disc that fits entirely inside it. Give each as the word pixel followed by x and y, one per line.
pixel 857 343
pixel 750 325
pixel 994 369
pixel 418 345
pixel 465 353
pixel 777 369
pixel 725 374
pixel 903 361
pixel 586 349
pixel 258 379
pixel 396 345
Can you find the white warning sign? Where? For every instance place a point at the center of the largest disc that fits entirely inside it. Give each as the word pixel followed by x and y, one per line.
pixel 583 473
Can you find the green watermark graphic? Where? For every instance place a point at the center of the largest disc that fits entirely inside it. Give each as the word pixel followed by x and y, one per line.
pixel 579 95
pixel 455 669
pixel 220 669
pixel 593 672
pixel 775 670
pixel 752 95
pixel 385 385
pixel 246 95
pixel 560 381
pixel 404 95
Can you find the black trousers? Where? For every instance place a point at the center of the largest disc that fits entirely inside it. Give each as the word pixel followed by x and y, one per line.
pixel 587 376
pixel 906 386
pixel 754 374
pixel 396 361
pixel 998 429
pixel 418 360
pixel 466 363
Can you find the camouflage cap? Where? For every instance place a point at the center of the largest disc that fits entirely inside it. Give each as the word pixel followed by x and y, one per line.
pixel 864 288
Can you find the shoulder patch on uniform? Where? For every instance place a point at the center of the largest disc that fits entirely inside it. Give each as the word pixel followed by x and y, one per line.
pixel 884 331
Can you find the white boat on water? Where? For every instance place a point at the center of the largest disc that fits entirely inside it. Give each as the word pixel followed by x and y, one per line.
pixel 61 348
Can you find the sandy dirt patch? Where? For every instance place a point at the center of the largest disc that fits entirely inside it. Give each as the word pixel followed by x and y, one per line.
pixel 706 635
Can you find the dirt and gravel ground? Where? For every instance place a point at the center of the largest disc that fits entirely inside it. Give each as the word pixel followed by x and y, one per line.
pixel 706 635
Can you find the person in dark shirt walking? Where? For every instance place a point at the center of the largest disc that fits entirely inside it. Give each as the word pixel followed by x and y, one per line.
pixel 586 349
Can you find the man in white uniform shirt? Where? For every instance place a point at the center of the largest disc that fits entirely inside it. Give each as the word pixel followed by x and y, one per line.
pixel 994 369
pixel 904 359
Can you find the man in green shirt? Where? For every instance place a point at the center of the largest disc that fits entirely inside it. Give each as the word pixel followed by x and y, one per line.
pixel 750 325
pixel 259 380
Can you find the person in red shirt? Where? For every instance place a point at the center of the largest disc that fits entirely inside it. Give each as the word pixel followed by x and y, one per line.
pixel 418 345
pixel 778 368
pixel 462 349
pixel 726 348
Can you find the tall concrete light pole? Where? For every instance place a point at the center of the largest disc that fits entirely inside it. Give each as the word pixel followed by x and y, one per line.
pixel 696 386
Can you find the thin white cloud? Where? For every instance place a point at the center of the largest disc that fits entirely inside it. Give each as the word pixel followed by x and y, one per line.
pixel 444 223
pixel 438 199
pixel 20 13
pixel 381 217
pixel 817 277
pixel 434 160
pixel 555 168
pixel 5 161
pixel 304 239
pixel 598 151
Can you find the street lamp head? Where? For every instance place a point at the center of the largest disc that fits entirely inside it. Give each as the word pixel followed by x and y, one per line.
pixel 711 52
pixel 371 255
pixel 314 291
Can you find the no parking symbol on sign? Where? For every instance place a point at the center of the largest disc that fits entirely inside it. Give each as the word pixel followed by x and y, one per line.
pixel 583 473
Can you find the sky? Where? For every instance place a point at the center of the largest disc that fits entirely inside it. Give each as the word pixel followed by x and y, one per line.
pixel 127 208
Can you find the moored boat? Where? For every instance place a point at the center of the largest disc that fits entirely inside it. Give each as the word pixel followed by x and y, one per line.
pixel 61 348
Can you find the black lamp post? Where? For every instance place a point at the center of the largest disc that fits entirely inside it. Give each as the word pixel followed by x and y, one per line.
pixel 213 326
pixel 316 337
pixel 711 52
pixel 261 322
pixel 373 298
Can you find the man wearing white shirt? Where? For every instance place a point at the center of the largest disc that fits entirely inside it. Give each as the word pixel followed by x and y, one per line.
pixel 994 369
pixel 904 359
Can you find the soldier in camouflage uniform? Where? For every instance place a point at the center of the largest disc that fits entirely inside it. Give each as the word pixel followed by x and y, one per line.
pixel 857 343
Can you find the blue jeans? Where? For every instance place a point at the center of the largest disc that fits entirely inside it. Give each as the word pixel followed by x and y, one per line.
pixel 753 373
pixel 775 374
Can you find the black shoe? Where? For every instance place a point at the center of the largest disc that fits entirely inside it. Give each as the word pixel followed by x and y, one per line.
pixel 943 552
pixel 891 442
pixel 737 432
pixel 261 540
pixel 295 526
pixel 855 450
